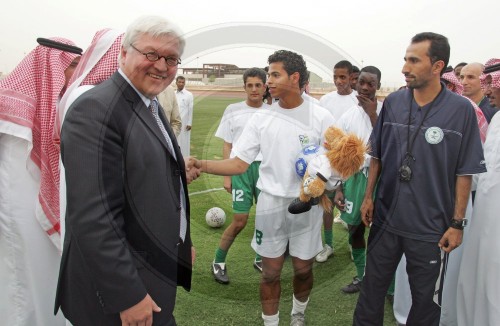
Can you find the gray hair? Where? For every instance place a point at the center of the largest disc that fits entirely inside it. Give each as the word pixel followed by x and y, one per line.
pixel 155 26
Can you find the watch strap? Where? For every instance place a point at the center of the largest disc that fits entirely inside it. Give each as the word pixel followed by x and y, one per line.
pixel 458 224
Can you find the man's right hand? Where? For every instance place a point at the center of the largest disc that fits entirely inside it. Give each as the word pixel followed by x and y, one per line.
pixel 140 314
pixel 192 172
pixel 367 211
pixel 193 162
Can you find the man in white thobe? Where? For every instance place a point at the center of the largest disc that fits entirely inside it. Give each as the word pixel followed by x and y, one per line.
pixel 185 101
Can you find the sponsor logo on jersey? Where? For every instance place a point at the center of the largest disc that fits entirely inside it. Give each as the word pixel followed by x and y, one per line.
pixel 304 139
pixel 311 149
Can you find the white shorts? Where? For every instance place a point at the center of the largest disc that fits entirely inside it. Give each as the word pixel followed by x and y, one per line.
pixel 275 228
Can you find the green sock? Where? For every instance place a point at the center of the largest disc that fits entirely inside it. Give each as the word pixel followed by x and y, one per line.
pixel 391 287
pixel 328 234
pixel 220 256
pixel 359 256
pixel 257 257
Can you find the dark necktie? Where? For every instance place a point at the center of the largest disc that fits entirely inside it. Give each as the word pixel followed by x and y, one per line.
pixel 154 109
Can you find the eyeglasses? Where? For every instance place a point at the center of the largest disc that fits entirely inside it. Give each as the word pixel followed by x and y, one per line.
pixel 153 57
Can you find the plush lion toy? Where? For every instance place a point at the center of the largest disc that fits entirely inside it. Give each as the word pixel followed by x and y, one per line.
pixel 344 155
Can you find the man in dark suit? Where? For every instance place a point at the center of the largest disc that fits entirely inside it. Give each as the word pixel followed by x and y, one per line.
pixel 127 243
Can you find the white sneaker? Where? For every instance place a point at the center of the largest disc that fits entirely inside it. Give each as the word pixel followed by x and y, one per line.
pixel 324 254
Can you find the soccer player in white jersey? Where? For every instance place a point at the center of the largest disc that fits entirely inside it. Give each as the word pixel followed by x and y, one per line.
pixel 242 187
pixel 280 132
pixel 337 102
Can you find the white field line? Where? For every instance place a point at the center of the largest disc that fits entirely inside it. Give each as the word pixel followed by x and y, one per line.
pixel 205 191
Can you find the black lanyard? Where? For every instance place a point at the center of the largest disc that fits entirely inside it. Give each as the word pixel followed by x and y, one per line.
pixel 410 143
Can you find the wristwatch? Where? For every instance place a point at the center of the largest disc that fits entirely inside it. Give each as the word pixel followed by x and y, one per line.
pixel 458 224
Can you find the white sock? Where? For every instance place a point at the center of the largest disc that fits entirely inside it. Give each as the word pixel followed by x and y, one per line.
pixel 273 320
pixel 298 306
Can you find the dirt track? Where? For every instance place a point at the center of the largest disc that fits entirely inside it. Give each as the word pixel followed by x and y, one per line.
pixel 219 93
pixel 227 93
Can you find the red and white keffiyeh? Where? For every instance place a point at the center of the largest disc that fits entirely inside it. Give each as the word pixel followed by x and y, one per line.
pixel 108 63
pixel 491 62
pixel 450 77
pixel 482 123
pixel 28 100
pixel 96 65
pixel 494 80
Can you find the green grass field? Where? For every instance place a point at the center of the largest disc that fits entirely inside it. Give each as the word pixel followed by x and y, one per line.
pixel 210 303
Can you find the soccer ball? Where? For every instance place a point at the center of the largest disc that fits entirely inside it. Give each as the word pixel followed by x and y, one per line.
pixel 215 217
pixel 305 155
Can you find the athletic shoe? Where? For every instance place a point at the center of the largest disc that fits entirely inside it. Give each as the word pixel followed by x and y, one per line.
pixel 220 272
pixel 298 207
pixel 353 287
pixel 298 319
pixel 257 264
pixel 324 254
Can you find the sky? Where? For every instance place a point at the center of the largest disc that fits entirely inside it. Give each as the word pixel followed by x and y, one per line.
pixel 367 32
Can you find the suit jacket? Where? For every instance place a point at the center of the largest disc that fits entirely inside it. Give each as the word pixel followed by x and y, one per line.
pixel 123 209
pixel 168 101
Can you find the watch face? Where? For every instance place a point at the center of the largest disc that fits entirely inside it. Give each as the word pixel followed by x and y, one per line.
pixel 458 224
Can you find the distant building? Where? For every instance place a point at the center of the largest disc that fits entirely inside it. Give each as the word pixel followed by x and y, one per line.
pixel 223 75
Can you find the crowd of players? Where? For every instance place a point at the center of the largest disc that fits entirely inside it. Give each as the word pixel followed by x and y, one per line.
pixel 355 109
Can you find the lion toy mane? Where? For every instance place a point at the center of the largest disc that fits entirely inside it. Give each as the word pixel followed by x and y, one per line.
pixel 344 155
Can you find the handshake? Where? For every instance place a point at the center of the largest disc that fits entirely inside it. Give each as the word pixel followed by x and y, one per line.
pixel 193 169
pixel 227 167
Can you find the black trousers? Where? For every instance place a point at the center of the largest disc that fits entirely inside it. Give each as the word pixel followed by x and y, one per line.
pixel 423 267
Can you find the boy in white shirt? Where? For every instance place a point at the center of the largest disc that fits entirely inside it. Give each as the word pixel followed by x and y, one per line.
pixel 337 102
pixel 242 187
